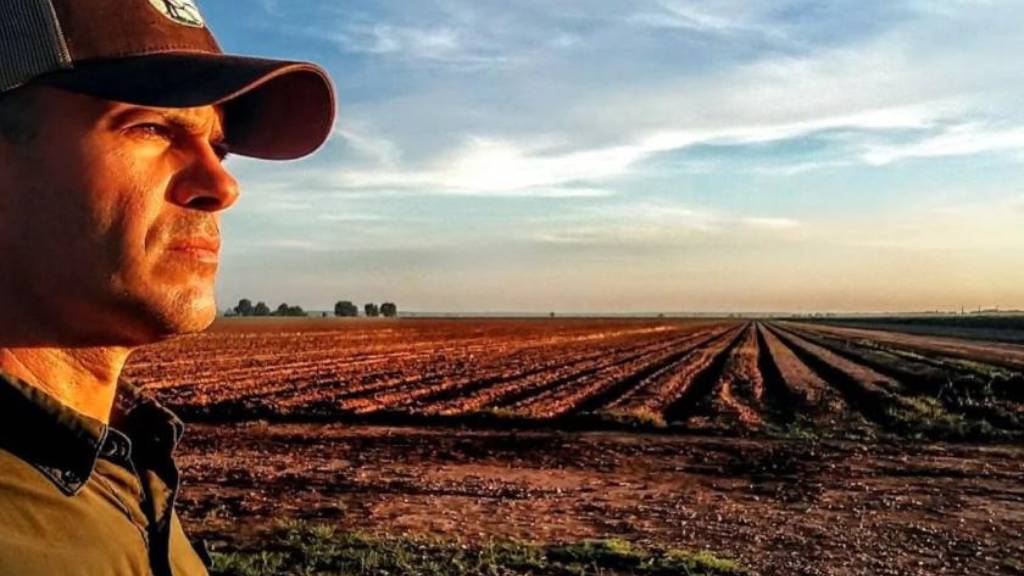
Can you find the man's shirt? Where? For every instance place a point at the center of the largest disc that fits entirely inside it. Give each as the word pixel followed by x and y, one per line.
pixel 79 497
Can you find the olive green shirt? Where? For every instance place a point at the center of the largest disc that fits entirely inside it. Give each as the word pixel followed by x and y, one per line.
pixel 79 497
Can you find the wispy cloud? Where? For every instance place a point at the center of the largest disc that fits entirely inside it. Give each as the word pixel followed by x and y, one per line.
pixel 380 151
pixel 715 17
pixel 488 166
pixel 959 140
pixel 445 43
pixel 271 7
pixel 780 168
pixel 292 244
pixel 767 223
pixel 652 224
pixel 350 217
pixel 437 43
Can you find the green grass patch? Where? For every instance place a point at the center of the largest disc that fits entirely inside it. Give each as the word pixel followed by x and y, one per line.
pixel 925 419
pixel 1013 566
pixel 798 430
pixel 317 549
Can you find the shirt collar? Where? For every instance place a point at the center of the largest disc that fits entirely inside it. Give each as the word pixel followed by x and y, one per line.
pixel 64 443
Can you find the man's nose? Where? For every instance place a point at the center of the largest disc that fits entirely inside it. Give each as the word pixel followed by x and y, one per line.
pixel 205 185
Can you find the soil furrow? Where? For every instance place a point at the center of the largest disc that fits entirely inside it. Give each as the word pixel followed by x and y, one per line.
pixel 514 397
pixel 957 392
pixel 814 402
pixel 871 393
pixel 730 402
pixel 601 399
pixel 677 397
pixel 563 399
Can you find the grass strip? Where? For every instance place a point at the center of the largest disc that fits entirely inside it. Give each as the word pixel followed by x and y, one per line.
pixel 298 548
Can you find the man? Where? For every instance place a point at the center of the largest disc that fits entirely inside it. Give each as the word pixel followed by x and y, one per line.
pixel 115 116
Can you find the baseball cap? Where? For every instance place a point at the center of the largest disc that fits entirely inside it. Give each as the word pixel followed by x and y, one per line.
pixel 161 53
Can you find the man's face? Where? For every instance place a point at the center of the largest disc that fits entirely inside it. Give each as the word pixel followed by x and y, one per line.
pixel 109 218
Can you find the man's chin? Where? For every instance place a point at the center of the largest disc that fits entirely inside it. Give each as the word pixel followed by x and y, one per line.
pixel 144 307
pixel 187 312
pixel 194 316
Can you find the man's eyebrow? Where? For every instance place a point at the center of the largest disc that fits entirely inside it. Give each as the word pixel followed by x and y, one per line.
pixel 181 121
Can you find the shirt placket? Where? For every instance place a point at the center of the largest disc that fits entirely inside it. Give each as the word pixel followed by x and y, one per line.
pixel 116 449
pixel 160 488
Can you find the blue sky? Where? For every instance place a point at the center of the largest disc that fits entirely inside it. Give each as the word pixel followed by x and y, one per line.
pixel 656 155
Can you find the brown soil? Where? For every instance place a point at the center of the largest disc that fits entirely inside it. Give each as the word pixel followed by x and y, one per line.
pixel 781 507
pixel 721 377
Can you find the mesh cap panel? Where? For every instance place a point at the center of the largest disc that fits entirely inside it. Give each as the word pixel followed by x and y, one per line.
pixel 30 42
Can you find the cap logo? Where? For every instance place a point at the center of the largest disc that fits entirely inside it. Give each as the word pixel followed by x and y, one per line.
pixel 183 12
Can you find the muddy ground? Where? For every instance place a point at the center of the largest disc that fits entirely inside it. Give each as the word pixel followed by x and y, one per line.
pixel 788 507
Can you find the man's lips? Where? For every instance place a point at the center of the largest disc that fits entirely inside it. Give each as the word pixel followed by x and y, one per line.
pixel 205 249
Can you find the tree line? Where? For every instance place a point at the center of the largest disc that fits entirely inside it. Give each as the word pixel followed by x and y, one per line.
pixel 347 309
pixel 343 308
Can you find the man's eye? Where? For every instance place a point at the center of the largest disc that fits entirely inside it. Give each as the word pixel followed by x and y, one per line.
pixel 153 130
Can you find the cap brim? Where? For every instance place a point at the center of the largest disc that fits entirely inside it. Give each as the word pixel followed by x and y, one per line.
pixel 274 109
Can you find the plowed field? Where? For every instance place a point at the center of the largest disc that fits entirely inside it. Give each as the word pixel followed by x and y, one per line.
pixel 724 377
pixel 793 448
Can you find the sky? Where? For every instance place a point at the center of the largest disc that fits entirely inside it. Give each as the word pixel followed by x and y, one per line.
pixel 645 156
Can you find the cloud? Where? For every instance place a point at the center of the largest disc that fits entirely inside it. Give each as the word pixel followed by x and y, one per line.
pixel 766 223
pixel 959 140
pixel 888 85
pixel 353 217
pixel 491 166
pixel 779 168
pixel 277 205
pixel 291 245
pixel 622 87
pixel 653 224
pixel 565 40
pixel 952 8
pixel 378 150
pixel 714 17
pixel 271 7
pixel 626 224
pixel 503 167
pixel 436 43
pixel 439 42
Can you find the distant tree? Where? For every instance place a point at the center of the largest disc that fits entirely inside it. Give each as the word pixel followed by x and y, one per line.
pixel 552 314
pixel 371 309
pixel 285 310
pixel 261 309
pixel 389 310
pixel 346 309
pixel 244 307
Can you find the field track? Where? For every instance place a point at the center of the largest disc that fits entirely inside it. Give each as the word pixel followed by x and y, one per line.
pixel 708 376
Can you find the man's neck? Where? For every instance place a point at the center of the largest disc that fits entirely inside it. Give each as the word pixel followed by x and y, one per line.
pixel 84 379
